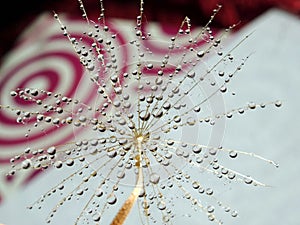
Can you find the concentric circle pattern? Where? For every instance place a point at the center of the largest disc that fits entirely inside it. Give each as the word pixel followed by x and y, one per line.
pixel 43 62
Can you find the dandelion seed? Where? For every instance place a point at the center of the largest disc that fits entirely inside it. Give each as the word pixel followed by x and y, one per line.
pixel 139 142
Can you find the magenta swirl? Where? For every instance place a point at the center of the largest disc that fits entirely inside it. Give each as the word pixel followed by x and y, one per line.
pixel 55 66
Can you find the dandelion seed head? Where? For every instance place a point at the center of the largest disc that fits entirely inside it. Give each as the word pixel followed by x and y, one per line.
pixel 147 121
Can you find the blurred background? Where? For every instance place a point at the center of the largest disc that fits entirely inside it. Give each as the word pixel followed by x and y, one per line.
pixel 18 15
pixel 271 74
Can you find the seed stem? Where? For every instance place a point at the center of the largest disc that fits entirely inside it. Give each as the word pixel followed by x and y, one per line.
pixel 128 204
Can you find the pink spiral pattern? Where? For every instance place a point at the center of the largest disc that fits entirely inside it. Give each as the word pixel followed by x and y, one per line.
pixel 48 61
pixel 44 58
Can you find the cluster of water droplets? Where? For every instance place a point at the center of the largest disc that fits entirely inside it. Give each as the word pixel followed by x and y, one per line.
pixel 163 98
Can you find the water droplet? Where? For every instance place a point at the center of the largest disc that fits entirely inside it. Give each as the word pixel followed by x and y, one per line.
pixel 149 66
pixel 79 192
pixel 233 154
pixel 145 205
pixel 154 178
pixel 197 149
pixel 251 105
pixel 145 115
pixel 167 106
pixel 13 93
pixel 99 192
pixel 211 217
pixel 158 114
pixel 58 164
pixel 209 191
pixel 112 199
pixel 197 109
pixel 170 142
pixel 26 164
pixel 177 119
pixel 191 74
pixel 234 213
pixel 191 121
pixel 196 184
pixel 248 180
pixel 210 209
pixel 161 205
pixel 278 103
pixel 70 162
pixel 200 54
pixel 97 217
pixel 51 150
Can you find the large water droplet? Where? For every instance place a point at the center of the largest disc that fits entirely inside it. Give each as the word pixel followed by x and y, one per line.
pixel 144 115
pixel 154 178
pixel 112 199
pixel 26 164
pixel 161 205
pixel 51 150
